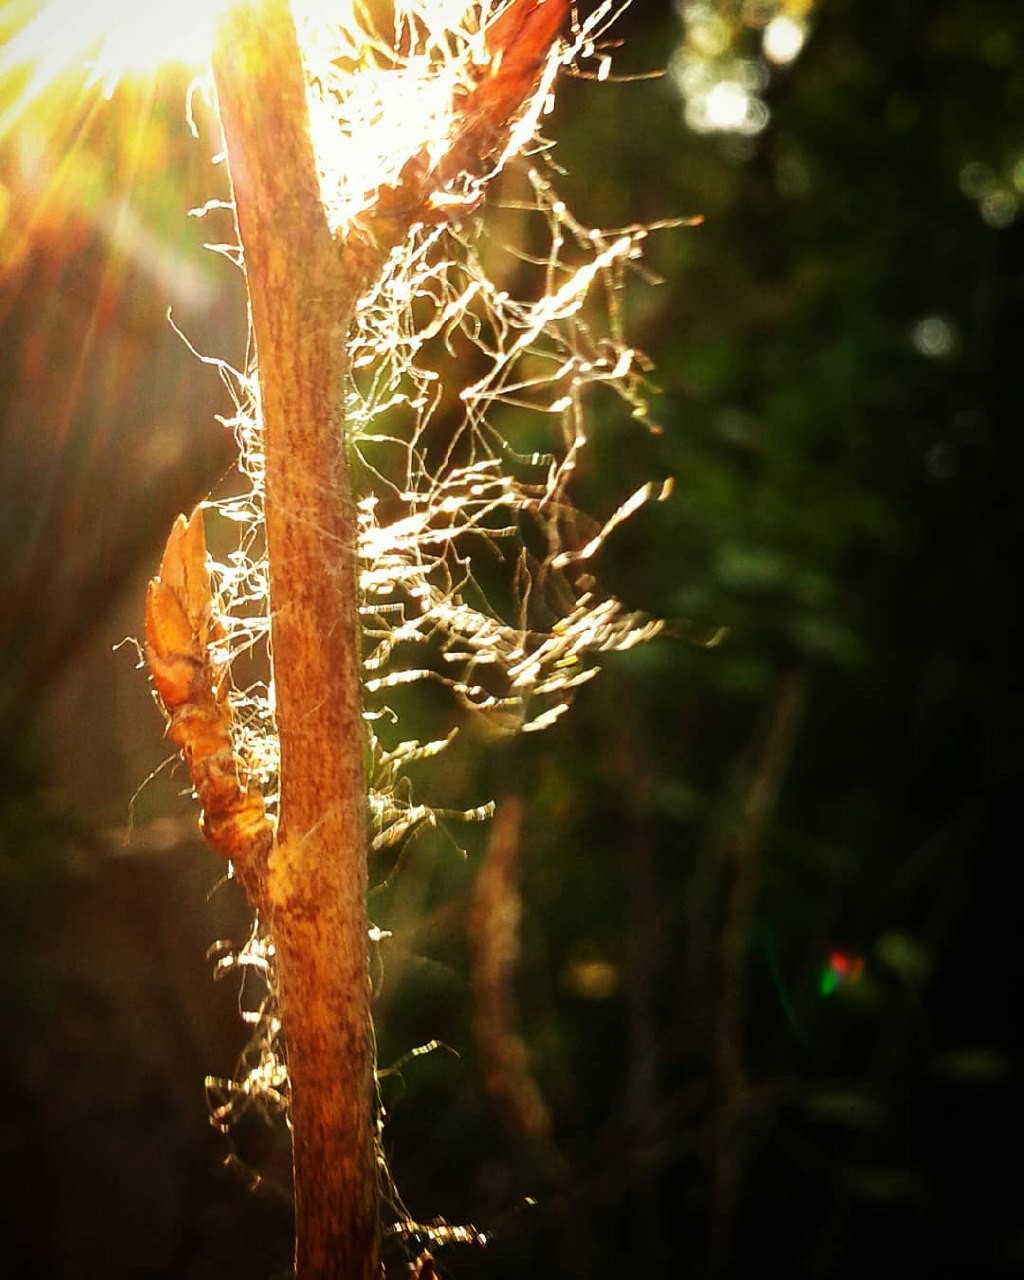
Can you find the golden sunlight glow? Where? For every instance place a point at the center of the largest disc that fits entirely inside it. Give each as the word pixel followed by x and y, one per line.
pixel 108 39
pixel 366 126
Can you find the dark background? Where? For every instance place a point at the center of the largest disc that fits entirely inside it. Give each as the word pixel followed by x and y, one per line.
pixel 837 352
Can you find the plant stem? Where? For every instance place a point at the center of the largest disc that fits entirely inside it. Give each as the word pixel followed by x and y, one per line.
pixel 767 773
pixel 300 303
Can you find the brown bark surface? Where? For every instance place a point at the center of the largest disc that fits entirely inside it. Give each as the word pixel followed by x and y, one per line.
pixel 316 884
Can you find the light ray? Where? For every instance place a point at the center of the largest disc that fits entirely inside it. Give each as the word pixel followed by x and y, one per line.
pixel 99 43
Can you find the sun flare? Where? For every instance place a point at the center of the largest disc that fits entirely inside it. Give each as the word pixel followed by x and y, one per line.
pixel 106 39
pixel 376 97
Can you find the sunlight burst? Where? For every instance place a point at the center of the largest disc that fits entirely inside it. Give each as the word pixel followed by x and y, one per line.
pixel 379 92
pixel 108 40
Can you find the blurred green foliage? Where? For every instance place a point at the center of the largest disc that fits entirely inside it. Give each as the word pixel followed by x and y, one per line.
pixel 836 351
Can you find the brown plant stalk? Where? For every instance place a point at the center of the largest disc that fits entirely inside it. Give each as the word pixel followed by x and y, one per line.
pixel 493 934
pixel 308 877
pixel 734 1092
